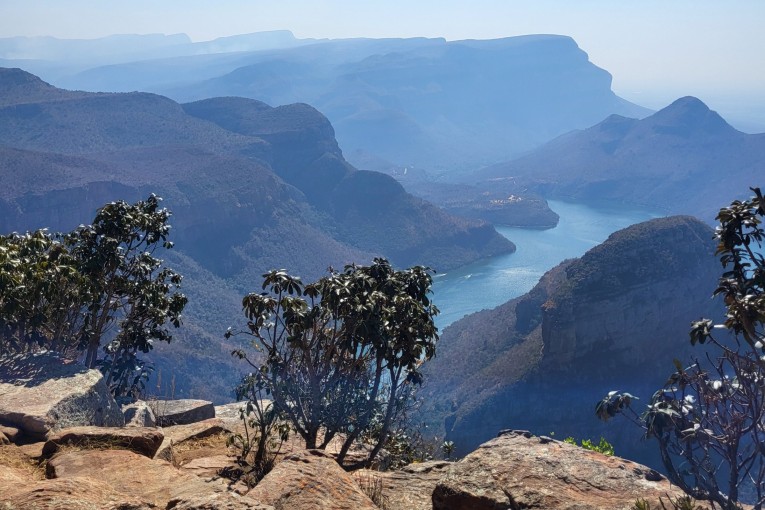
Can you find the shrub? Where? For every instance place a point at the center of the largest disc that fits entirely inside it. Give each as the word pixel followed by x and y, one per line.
pixel 708 418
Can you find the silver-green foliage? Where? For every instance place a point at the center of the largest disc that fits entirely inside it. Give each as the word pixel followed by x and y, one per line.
pixel 338 354
pixel 100 285
pixel 709 418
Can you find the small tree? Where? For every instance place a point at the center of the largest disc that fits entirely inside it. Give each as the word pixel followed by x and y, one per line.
pixel 41 293
pixel 340 352
pixel 128 285
pixel 709 419
pixel 99 283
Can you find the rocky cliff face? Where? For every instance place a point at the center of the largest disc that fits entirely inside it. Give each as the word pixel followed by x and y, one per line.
pixel 613 319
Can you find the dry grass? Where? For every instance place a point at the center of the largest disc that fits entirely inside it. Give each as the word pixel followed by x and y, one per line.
pixel 208 446
pixel 12 457
pixel 372 485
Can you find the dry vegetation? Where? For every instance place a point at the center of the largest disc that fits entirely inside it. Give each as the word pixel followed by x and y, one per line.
pixel 12 456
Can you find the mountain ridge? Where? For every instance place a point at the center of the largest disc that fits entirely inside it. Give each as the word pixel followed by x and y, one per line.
pixel 611 319
pixel 67 157
pixel 677 161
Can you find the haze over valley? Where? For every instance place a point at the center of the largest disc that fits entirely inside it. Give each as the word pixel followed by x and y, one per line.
pixel 569 226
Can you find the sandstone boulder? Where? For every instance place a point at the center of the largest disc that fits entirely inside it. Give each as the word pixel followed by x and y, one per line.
pixel 179 434
pixel 10 476
pixel 310 480
pixel 181 412
pixel 519 470
pixel 12 433
pixel 43 392
pixel 68 494
pixel 217 502
pixel 142 440
pixel 209 466
pixel 154 481
pixel 410 488
pixel 139 414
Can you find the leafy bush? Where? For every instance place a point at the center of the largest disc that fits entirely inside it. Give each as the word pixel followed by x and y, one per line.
pixel 708 418
pixel 342 353
pixel 99 285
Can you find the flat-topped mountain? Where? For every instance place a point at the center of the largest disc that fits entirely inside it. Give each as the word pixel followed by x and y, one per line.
pixel 396 103
pixel 677 160
pixel 272 192
pixel 611 320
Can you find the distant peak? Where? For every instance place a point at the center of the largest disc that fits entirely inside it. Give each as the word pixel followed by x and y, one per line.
pixel 15 77
pixel 689 103
pixel 689 113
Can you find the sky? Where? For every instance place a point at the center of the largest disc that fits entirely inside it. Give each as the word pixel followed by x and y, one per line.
pixel 656 50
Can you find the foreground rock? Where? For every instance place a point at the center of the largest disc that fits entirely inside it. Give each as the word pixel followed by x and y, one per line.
pixel 216 502
pixel 410 488
pixel 11 433
pixel 139 414
pixel 154 481
pixel 310 480
pixel 518 470
pixel 142 440
pixel 179 434
pixel 42 393
pixel 67 494
pixel 181 412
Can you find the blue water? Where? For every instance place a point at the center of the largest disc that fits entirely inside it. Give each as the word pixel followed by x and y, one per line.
pixel 491 282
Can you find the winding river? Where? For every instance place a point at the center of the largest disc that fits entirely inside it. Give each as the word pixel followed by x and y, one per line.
pixel 491 282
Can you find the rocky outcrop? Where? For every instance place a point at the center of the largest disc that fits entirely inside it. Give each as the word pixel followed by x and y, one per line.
pixel 310 480
pixel 139 414
pixel 216 502
pixel 181 412
pixel 179 434
pixel 143 440
pixel 154 481
pixel 42 393
pixel 409 488
pixel 66 494
pixel 612 320
pixel 518 470
pixel 515 470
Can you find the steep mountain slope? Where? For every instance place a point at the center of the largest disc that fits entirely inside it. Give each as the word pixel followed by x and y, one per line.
pixel 371 210
pixel 612 319
pixel 400 102
pixel 64 154
pixel 678 160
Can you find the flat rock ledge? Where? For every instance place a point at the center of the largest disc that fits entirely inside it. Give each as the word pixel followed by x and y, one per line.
pixel 181 412
pixel 42 393
pixel 519 470
pixel 310 480
pixel 142 440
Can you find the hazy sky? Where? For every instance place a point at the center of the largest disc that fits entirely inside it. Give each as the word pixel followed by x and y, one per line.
pixel 656 49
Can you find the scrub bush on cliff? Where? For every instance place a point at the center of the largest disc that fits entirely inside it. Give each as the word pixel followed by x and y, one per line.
pixel 708 418
pixel 98 284
pixel 341 352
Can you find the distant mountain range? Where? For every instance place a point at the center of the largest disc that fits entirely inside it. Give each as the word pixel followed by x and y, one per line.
pixel 613 319
pixel 394 103
pixel 251 187
pixel 682 159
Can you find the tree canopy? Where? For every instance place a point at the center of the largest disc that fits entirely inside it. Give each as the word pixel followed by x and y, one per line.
pixel 340 354
pixel 97 286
